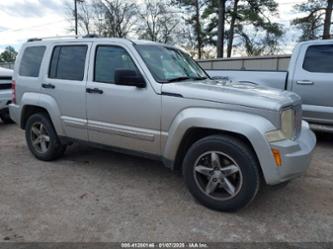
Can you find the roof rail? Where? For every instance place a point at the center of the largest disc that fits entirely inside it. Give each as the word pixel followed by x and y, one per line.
pixel 63 37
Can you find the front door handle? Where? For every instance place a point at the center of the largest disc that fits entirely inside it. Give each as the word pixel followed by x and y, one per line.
pixel 304 82
pixel 48 86
pixel 94 90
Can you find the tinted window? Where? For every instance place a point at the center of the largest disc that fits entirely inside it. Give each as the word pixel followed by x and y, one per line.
pixel 31 61
pixel 67 62
pixel 109 59
pixel 319 59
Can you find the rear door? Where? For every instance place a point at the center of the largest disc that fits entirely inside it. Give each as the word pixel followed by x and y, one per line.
pixel 313 81
pixel 65 81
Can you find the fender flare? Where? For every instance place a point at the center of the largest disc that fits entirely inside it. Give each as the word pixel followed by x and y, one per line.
pixel 46 102
pixel 251 126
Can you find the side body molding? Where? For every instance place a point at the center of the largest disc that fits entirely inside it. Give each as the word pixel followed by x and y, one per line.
pixel 47 102
pixel 253 127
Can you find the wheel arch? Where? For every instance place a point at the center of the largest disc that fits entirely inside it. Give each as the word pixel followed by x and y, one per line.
pixel 40 103
pixel 196 123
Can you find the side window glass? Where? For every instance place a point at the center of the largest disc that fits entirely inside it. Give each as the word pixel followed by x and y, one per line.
pixel 68 62
pixel 108 59
pixel 318 59
pixel 31 61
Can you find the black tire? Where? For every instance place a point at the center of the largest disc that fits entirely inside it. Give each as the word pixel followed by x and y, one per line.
pixel 55 149
pixel 5 117
pixel 247 178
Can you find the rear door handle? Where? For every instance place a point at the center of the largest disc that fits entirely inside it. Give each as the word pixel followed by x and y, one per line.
pixel 304 82
pixel 49 86
pixel 94 90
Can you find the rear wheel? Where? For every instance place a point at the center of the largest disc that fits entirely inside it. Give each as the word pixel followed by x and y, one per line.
pixel 42 139
pixel 4 115
pixel 221 173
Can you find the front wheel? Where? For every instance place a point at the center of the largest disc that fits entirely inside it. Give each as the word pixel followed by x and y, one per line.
pixel 221 172
pixel 42 139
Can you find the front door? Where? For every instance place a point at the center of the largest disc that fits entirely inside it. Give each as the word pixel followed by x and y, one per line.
pixel 313 81
pixel 118 115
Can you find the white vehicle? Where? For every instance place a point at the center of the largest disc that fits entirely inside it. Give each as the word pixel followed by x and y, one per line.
pixel 309 75
pixel 5 93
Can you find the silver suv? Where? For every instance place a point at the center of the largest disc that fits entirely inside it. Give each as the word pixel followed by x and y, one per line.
pixel 153 100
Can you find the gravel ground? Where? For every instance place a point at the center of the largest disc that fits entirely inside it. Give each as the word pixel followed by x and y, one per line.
pixel 96 195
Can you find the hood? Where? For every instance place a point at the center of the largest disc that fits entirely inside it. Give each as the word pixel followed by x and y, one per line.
pixel 236 93
pixel 4 72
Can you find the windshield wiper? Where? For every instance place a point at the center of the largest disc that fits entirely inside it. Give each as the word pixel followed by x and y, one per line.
pixel 178 79
pixel 199 78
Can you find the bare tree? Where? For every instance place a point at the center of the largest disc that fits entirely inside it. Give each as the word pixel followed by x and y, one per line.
pixel 159 21
pixel 85 16
pixel 119 17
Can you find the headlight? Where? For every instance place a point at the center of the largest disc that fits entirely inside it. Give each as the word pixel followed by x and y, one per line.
pixel 287 130
pixel 288 123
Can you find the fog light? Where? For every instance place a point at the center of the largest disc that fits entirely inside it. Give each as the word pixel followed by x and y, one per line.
pixel 277 157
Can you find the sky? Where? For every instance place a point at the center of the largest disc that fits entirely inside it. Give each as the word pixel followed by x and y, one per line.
pixel 24 19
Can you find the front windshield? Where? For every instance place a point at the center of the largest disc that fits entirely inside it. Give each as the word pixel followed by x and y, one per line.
pixel 170 64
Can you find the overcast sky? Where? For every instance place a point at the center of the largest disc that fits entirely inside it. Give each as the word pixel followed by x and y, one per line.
pixel 23 19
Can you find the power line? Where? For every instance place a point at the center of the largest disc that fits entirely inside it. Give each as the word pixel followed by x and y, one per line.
pixel 33 27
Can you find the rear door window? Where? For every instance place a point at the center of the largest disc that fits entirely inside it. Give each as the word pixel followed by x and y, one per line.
pixel 319 59
pixel 68 62
pixel 31 61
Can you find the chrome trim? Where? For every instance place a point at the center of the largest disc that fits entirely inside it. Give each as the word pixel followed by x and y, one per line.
pixel 74 122
pixel 121 130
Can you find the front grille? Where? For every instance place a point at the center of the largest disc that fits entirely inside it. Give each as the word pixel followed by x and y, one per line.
pixel 298 119
pixel 5 86
pixel 5 82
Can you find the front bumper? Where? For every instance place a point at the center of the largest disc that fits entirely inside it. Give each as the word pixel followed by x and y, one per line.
pixel 5 98
pixel 296 155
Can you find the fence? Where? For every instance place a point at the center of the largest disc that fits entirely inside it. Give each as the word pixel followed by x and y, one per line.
pixel 279 63
pixel 9 65
pixel 276 63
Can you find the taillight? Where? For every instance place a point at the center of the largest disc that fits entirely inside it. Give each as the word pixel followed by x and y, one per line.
pixel 13 92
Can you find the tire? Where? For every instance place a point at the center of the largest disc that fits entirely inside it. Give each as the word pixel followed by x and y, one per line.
pixel 52 148
pixel 5 117
pixel 212 164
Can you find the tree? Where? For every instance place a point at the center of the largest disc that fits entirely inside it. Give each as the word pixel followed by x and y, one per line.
pixel 119 17
pixel 248 21
pixel 8 55
pixel 110 18
pixel 158 21
pixel 231 34
pixel 194 9
pixel 318 19
pixel 220 28
pixel 85 17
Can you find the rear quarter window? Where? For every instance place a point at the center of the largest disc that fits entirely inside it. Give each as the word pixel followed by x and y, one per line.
pixel 31 61
pixel 319 59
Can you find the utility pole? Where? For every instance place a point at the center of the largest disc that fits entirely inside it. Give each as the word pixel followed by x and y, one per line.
pixel 75 14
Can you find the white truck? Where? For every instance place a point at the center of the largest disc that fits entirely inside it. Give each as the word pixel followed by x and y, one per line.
pixel 310 75
pixel 5 93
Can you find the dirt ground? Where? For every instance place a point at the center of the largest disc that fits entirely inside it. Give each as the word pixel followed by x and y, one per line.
pixel 96 195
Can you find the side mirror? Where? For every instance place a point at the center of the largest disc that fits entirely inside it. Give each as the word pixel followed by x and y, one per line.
pixel 129 78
